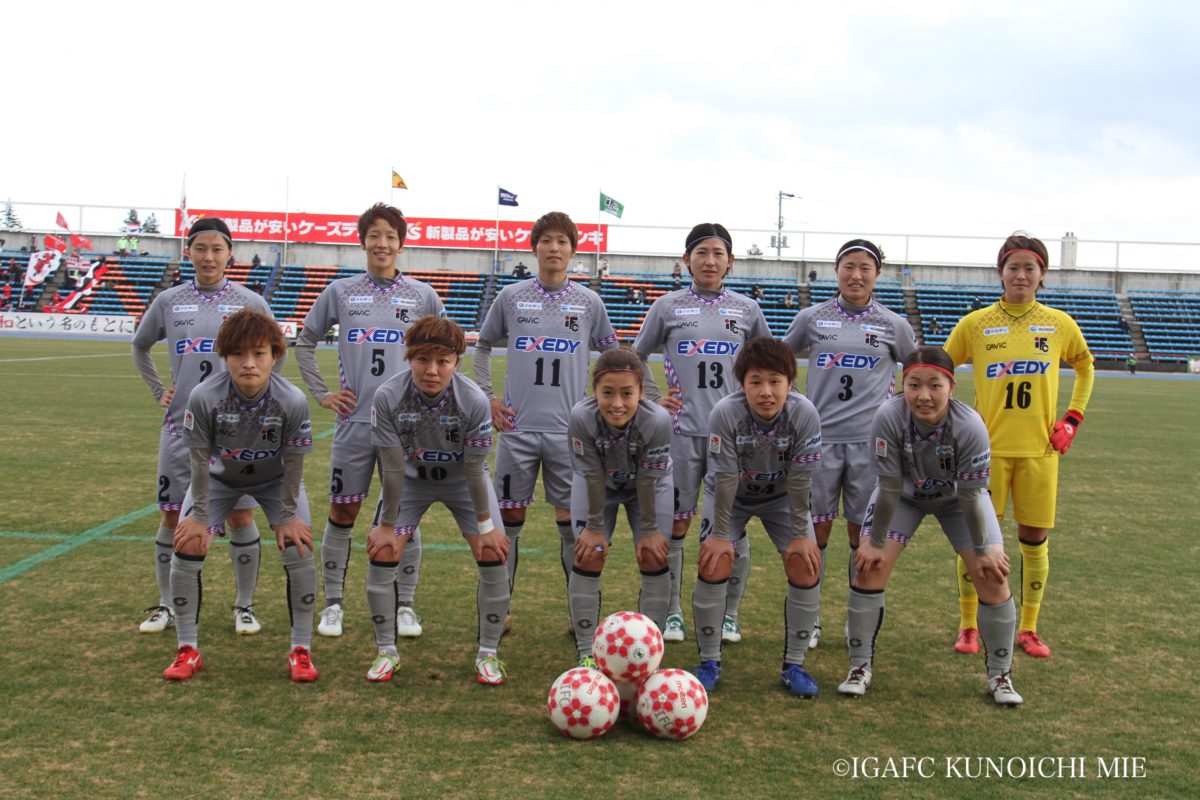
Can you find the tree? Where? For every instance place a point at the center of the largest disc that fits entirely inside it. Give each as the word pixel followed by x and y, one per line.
pixel 11 221
pixel 131 223
pixel 151 224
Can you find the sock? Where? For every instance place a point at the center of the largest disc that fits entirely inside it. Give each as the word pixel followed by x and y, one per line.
pixel 737 579
pixel 513 532
pixel 187 589
pixel 381 601
pixel 492 598
pixel 583 592
pixel 1035 568
pixel 997 628
pixel 566 542
pixel 335 559
pixel 708 610
pixel 850 566
pixel 675 563
pixel 968 598
pixel 864 612
pixel 655 596
pixel 821 582
pixel 244 552
pixel 799 613
pixel 164 547
pixel 410 570
pixel 301 574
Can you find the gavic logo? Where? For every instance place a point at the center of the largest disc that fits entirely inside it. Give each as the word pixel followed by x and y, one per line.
pixel 1001 369
pixel 707 347
pixel 185 346
pixel 846 361
pixel 435 455
pixel 545 344
pixel 245 454
pixel 374 336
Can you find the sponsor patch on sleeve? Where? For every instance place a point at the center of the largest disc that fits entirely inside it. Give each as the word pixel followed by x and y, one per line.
pixel 373 421
pixel 714 444
pixel 577 446
pixel 189 421
pixel 306 426
pixel 981 459
pixel 880 447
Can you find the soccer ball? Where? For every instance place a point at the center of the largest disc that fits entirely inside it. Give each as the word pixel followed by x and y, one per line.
pixel 583 703
pixel 672 704
pixel 628 646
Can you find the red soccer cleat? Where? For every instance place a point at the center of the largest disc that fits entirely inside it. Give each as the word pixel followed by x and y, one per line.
pixel 186 664
pixel 968 641
pixel 1032 644
pixel 301 666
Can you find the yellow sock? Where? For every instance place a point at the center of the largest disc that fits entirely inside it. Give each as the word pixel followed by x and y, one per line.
pixel 968 599
pixel 1035 568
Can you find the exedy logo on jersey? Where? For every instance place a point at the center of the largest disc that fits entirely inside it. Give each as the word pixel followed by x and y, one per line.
pixel 423 454
pixel 245 453
pixel 707 347
pixel 545 344
pixel 185 346
pixel 1001 369
pixel 846 361
pixel 374 336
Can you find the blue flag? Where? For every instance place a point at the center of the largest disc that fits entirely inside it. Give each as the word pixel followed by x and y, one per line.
pixel 507 198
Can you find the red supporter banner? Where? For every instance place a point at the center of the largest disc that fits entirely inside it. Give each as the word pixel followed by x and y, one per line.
pixel 268 226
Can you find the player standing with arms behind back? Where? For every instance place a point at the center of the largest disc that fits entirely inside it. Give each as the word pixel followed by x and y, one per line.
pixel 1017 345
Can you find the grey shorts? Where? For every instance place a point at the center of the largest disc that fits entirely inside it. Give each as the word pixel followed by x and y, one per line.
pixel 845 472
pixel 351 462
pixel 419 495
pixel 518 457
pixel 175 475
pixel 948 513
pixel 222 499
pixel 775 515
pixel 614 499
pixel 689 459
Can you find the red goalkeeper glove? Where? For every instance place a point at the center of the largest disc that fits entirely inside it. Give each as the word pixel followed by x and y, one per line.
pixel 1065 430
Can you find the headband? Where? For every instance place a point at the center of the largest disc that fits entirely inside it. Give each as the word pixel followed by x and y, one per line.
pixel 938 367
pixel 868 250
pixel 596 375
pixel 434 343
pixel 1004 256
pixel 693 242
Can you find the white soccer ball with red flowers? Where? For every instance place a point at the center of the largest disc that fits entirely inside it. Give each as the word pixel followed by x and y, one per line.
pixel 628 646
pixel 671 704
pixel 583 703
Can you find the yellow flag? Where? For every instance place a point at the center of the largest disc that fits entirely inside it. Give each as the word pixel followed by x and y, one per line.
pixel 397 181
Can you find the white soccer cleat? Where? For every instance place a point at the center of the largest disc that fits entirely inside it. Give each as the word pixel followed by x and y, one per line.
pixel 815 638
pixel 159 620
pixel 1002 691
pixel 731 631
pixel 673 629
pixel 408 624
pixel 244 621
pixel 857 682
pixel 384 667
pixel 490 670
pixel 330 621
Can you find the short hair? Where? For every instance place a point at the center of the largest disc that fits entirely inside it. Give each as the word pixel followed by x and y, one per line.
pixel 210 225
pixel 383 211
pixel 861 245
pixel 1023 241
pixel 618 359
pixel 430 336
pixel 554 221
pixel 707 230
pixel 249 328
pixel 766 353
pixel 929 355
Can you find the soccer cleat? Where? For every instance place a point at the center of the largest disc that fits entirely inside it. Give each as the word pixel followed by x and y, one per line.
pixel 857 682
pixel 408 624
pixel 244 621
pixel 709 674
pixel 968 641
pixel 187 663
pixel 159 620
pixel 1032 644
pixel 587 662
pixel 730 630
pixel 330 621
pixel 816 635
pixel 798 681
pixel 1002 691
pixel 673 629
pixel 490 670
pixel 383 668
pixel 301 666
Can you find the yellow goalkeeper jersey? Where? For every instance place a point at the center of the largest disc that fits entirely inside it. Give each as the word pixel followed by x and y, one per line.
pixel 1016 350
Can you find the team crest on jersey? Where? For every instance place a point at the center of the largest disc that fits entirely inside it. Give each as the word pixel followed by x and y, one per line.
pixel 687 312
pixel 1041 343
pixel 829 323
pixel 870 339
pixel 571 322
pixel 231 419
pixel 731 325
pixel 999 331
pixel 880 447
pixel 185 309
pixel 189 420
pixel 269 434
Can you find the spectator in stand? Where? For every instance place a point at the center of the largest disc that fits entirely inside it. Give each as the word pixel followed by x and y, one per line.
pixel 133 245
pixel 123 246
pixel 1123 325
pixel 976 303
pixel 7 294
pixel 788 300
pixel 520 271
pixel 1130 362
pixel 757 293
pixel 604 271
pixel 812 276
pixel 935 327
pixel 176 278
pixel 256 262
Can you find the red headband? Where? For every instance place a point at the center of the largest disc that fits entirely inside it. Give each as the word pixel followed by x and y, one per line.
pixel 1007 253
pixel 938 367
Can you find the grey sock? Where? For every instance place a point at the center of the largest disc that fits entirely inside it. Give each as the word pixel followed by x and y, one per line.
pixel 187 589
pixel 410 570
pixel 800 611
pixel 301 593
pixel 245 552
pixel 997 627
pixel 850 566
pixel 164 547
pixel 381 601
pixel 655 597
pixel 583 592
pixel 737 579
pixel 675 563
pixel 566 546
pixel 864 613
pixel 335 559
pixel 708 611
pixel 513 532
pixel 820 581
pixel 492 598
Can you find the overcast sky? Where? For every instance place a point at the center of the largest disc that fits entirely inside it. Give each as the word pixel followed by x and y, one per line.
pixel 927 117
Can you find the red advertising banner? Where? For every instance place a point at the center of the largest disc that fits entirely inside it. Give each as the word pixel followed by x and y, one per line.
pixel 268 226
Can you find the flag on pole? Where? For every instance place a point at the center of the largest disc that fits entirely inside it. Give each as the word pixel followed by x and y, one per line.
pixel 54 243
pixel 62 222
pixel 506 198
pixel 80 242
pixel 41 265
pixel 87 284
pixel 610 205
pixel 397 181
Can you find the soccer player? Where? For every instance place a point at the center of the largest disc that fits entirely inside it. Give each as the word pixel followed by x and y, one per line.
pixel 433 431
pixel 854 344
pixel 187 316
pixel 620 453
pixel 932 456
pixel 763 445
pixel 700 330
pixel 372 312
pixel 1016 345
pixel 551 325
pixel 247 431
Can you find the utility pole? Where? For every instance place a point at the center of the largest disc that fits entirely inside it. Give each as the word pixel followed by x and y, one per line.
pixel 779 241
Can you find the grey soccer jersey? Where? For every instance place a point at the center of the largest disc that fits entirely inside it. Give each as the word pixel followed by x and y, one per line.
pixel 372 321
pixel 247 439
pixel 762 455
pixel 957 453
pixel 644 446
pixel 188 320
pixel 700 334
pixel 550 338
pixel 435 434
pixel 851 364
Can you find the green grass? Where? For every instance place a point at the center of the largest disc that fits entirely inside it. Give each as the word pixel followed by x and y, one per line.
pixel 86 711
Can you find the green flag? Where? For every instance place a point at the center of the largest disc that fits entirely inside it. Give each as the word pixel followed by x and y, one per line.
pixel 611 206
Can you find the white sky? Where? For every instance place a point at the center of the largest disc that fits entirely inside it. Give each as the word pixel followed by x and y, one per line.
pixel 927 117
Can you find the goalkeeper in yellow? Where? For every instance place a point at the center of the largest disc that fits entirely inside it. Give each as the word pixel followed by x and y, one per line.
pixel 1017 345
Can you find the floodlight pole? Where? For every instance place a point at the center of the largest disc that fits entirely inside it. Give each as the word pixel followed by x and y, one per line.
pixel 779 225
